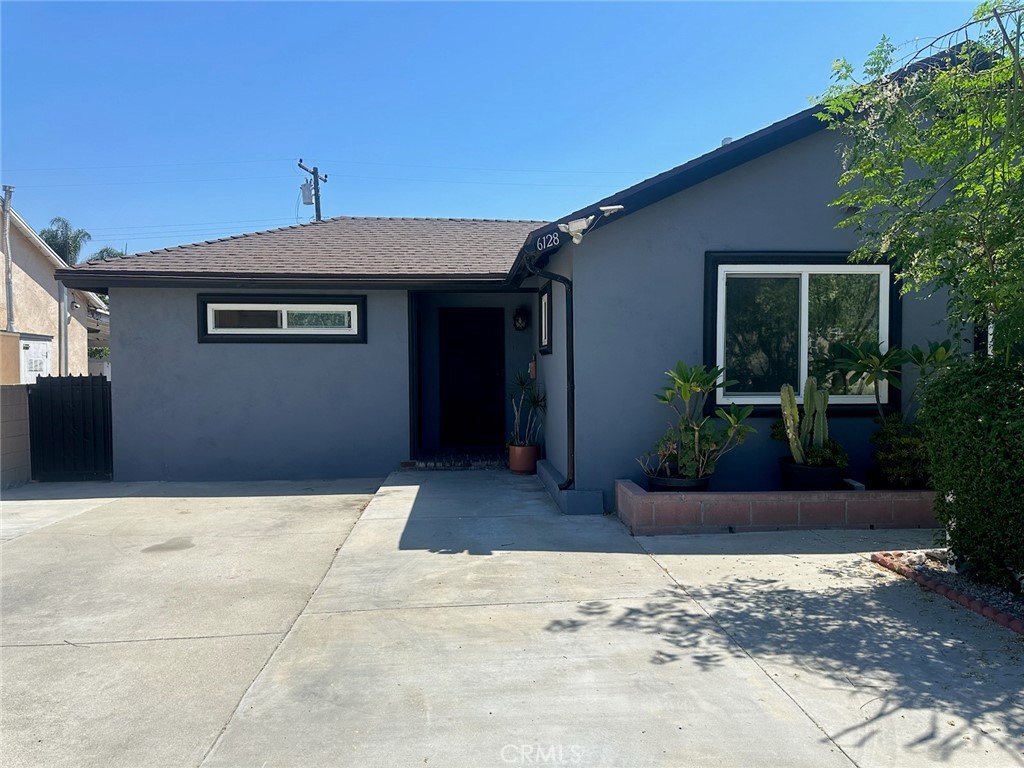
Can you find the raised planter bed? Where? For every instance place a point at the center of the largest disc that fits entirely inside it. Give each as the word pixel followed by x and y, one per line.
pixel 651 514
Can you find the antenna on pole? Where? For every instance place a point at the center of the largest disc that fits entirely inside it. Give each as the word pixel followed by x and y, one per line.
pixel 313 199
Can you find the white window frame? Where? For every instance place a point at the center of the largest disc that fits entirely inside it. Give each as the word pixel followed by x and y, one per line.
pixel 803 272
pixel 284 308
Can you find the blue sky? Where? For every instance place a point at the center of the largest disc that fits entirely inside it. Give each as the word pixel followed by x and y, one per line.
pixel 154 124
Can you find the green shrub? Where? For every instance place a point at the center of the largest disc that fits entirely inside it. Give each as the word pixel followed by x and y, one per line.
pixel 900 454
pixel 972 419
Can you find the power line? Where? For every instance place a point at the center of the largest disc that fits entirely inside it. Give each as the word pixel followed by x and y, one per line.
pixel 175 233
pixel 342 175
pixel 174 225
pixel 142 165
pixel 488 170
pixel 341 162
pixel 151 181
pixel 468 181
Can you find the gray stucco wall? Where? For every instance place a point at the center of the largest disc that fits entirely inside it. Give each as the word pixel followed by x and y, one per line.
pixel 519 348
pixel 189 411
pixel 639 286
pixel 551 368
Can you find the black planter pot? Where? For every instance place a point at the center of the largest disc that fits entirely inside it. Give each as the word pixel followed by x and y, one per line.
pixel 801 477
pixel 677 484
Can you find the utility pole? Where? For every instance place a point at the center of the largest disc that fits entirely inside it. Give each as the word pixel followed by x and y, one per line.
pixel 317 178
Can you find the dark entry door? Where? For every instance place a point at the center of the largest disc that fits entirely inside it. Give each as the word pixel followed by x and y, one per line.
pixel 472 361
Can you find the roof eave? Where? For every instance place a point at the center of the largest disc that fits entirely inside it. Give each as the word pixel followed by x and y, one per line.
pixel 678 179
pixel 96 280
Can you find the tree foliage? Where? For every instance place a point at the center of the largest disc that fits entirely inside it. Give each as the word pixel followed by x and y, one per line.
pixel 932 167
pixel 65 241
pixel 107 252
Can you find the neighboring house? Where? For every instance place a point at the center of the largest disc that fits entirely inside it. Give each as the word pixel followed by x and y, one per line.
pixel 31 345
pixel 733 258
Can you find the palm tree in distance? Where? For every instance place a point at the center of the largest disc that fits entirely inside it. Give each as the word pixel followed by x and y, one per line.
pixel 67 242
pixel 107 252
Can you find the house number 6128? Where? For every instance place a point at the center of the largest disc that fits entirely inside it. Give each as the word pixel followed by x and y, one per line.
pixel 550 240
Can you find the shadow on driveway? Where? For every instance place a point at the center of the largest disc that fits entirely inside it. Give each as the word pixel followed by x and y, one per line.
pixel 911 668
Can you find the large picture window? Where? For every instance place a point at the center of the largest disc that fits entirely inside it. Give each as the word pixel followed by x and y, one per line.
pixel 778 323
pixel 282 318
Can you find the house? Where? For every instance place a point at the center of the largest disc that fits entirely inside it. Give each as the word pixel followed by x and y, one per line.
pixel 31 343
pixel 346 346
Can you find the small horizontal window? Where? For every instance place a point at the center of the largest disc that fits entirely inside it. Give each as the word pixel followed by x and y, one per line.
pixel 263 318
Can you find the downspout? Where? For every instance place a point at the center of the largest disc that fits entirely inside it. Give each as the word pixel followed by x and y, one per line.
pixel 8 261
pixel 62 328
pixel 570 374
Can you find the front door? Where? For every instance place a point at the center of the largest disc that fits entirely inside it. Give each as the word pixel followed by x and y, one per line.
pixel 472 361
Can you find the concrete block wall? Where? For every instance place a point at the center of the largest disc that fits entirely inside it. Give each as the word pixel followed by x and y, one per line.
pixel 15 459
pixel 651 514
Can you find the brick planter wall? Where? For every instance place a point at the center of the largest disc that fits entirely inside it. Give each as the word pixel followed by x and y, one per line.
pixel 649 514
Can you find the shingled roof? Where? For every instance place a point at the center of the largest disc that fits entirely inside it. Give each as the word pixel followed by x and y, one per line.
pixel 344 249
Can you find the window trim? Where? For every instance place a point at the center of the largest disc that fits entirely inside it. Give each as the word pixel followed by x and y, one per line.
pixel 802 265
pixel 544 319
pixel 207 304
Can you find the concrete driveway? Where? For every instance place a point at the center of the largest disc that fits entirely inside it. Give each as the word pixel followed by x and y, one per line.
pixel 133 624
pixel 464 622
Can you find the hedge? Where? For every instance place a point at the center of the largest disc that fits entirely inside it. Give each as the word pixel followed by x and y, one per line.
pixel 972 418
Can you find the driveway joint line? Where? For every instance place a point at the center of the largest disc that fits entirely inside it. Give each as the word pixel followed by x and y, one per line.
pixel 430 518
pixel 106 503
pixel 85 643
pixel 220 735
pixel 113 535
pixel 755 662
pixel 502 604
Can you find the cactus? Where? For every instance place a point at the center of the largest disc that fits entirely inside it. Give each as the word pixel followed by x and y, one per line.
pixel 808 432
pixel 791 418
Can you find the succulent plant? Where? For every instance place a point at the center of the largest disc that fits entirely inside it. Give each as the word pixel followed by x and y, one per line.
pixel 808 436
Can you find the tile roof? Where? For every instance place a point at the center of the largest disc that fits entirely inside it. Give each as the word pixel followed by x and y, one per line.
pixel 341 248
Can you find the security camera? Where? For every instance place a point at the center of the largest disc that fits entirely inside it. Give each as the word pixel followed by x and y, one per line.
pixel 608 210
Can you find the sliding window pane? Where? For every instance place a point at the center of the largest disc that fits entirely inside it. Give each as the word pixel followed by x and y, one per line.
pixel 246 318
pixel 842 309
pixel 762 333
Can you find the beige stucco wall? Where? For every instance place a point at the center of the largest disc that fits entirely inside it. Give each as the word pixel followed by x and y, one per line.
pixel 36 307
pixel 10 358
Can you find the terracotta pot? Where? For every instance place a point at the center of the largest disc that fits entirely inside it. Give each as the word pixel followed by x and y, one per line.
pixel 802 477
pixel 522 459
pixel 676 484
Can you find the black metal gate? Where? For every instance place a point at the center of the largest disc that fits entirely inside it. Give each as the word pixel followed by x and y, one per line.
pixel 70 428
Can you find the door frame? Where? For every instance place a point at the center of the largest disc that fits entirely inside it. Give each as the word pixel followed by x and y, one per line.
pixel 526 296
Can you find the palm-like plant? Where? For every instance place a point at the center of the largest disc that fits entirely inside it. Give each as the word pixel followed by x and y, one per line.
pixel 528 406
pixel 870 366
pixel 694 442
pixel 64 240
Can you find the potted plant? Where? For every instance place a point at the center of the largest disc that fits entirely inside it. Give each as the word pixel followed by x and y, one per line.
pixel 686 455
pixel 528 406
pixel 817 461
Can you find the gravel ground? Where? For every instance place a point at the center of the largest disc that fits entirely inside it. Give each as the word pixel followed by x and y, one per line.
pixel 936 568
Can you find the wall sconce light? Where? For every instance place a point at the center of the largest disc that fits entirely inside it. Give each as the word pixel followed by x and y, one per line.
pixel 521 319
